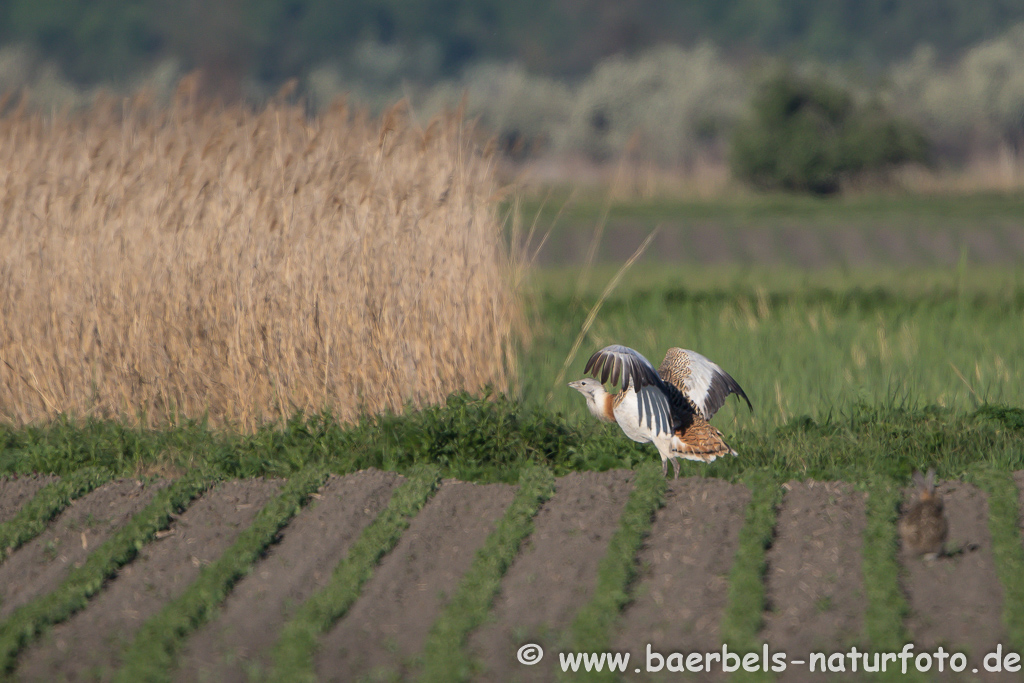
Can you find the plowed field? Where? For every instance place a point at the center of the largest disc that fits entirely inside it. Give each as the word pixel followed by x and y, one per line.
pixel 814 586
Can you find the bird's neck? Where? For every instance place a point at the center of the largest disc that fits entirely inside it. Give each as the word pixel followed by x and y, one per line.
pixel 602 405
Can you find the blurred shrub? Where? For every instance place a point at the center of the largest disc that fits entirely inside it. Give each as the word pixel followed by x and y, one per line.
pixel 665 105
pixel 807 135
pixel 523 110
pixel 25 74
pixel 977 100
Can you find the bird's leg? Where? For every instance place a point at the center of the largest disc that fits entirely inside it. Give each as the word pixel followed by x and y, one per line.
pixel 675 466
pixel 664 467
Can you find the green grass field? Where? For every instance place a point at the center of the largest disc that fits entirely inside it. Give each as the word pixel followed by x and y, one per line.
pixel 801 348
pixel 581 208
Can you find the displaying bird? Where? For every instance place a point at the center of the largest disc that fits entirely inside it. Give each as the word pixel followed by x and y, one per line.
pixel 669 406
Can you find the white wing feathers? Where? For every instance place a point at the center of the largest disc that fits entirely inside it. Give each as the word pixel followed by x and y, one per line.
pixel 652 403
pixel 708 385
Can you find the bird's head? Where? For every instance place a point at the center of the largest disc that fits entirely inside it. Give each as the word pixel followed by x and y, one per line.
pixel 588 387
pixel 597 397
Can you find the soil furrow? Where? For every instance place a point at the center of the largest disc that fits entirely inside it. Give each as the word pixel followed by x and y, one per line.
pixel 681 592
pixel 389 622
pixel 956 601
pixel 88 646
pixel 237 643
pixel 16 491
pixel 554 574
pixel 815 587
pixel 41 564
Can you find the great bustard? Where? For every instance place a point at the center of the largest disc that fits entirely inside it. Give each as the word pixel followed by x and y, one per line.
pixel 670 406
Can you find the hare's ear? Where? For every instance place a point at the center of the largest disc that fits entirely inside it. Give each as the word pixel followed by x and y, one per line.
pixel 929 480
pixel 918 480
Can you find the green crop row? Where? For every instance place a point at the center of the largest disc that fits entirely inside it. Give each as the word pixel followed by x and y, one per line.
pixel 886 605
pixel 745 601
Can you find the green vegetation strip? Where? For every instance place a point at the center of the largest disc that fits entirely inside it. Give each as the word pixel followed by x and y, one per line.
pixel 29 620
pixel 591 631
pixel 887 606
pixel 151 656
pixel 1004 524
pixel 48 502
pixel 745 602
pixel 444 656
pixel 293 654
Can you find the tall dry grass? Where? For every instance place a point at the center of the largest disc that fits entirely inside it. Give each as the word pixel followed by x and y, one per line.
pixel 210 260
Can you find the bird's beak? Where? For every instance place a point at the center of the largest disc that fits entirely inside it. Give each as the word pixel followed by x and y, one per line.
pixel 575 385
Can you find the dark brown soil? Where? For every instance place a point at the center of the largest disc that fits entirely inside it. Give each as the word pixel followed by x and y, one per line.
pixel 707 244
pixel 685 563
pixel 553 576
pixel 814 584
pixel 956 601
pixel 41 564
pixel 757 246
pixel 16 491
pixel 804 247
pixel 237 643
pixel 853 248
pixel 896 246
pixel 986 246
pixel 88 646
pixel 940 246
pixel 388 624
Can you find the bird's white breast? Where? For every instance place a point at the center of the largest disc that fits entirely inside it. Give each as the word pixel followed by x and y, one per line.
pixel 628 418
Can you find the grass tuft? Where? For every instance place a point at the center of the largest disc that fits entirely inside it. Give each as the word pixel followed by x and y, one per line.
pixel 444 655
pixel 294 652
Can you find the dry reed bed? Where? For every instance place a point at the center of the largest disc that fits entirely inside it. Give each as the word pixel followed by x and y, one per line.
pixel 204 259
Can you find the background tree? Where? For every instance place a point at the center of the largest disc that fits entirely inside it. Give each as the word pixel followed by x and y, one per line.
pixel 806 135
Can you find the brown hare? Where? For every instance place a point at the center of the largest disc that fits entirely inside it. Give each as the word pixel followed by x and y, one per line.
pixel 924 526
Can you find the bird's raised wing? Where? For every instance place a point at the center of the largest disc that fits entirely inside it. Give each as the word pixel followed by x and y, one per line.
pixel 615 361
pixel 654 411
pixel 700 380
